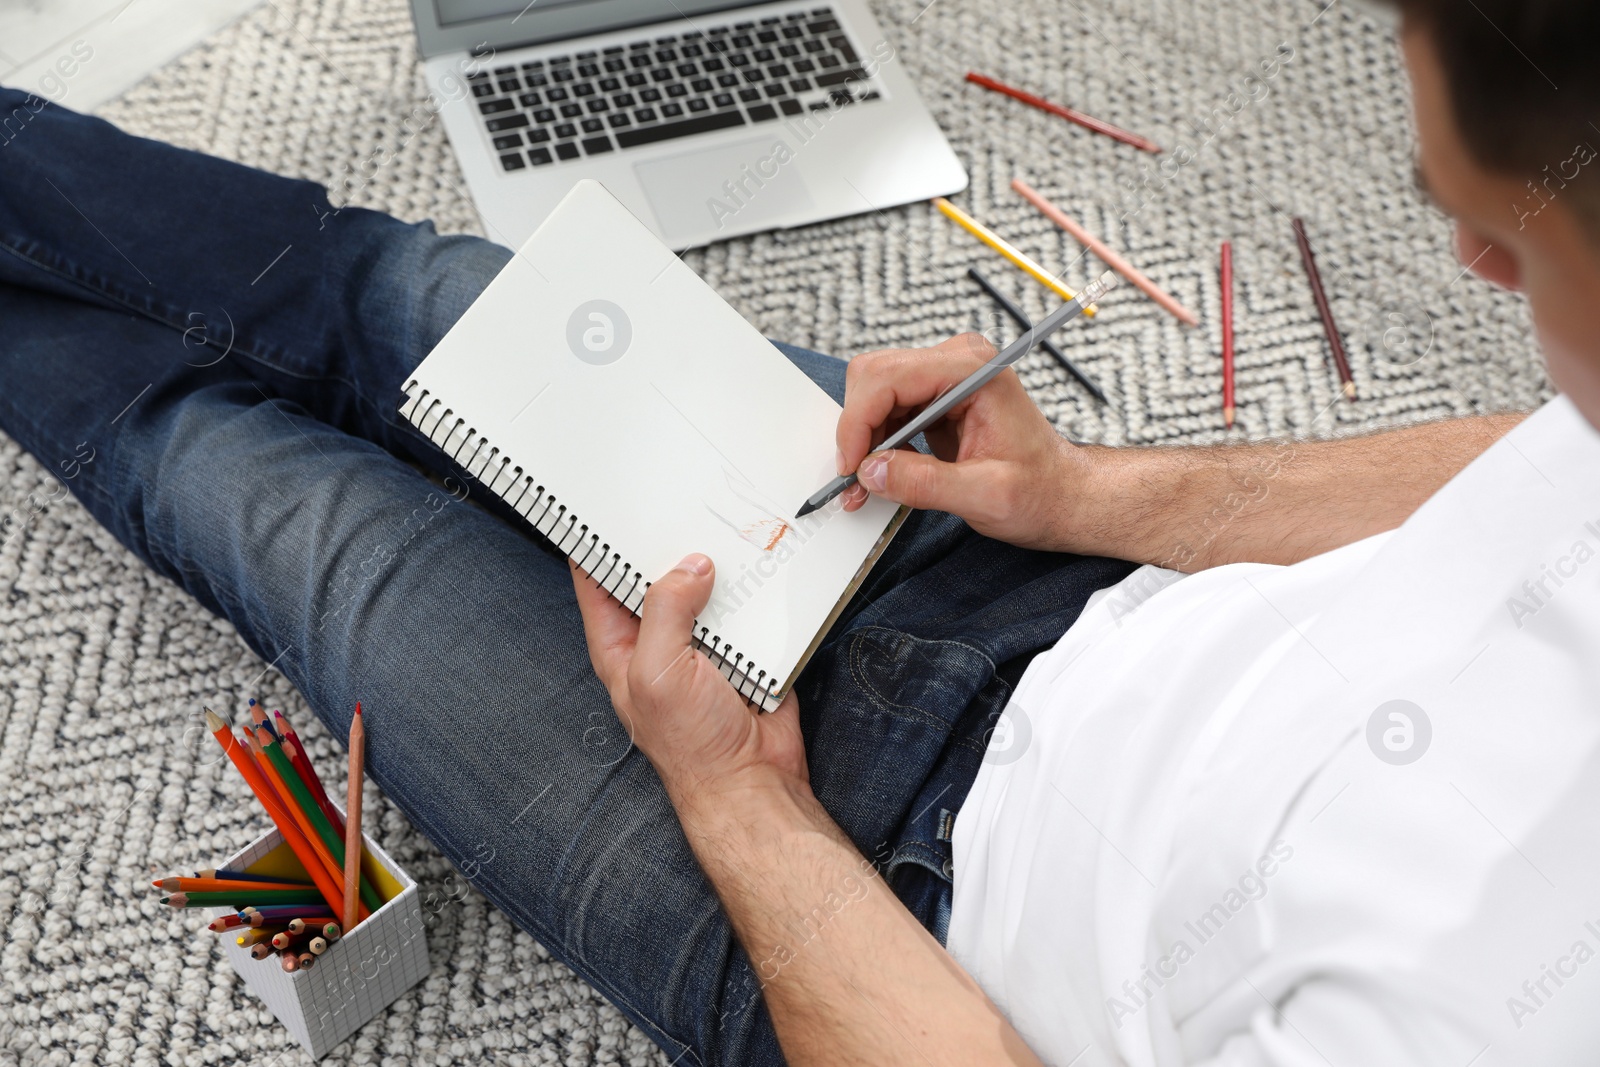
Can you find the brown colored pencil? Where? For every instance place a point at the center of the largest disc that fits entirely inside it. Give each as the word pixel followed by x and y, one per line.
pixel 1309 259
pixel 306 961
pixel 352 828
pixel 261 951
pixel 1088 122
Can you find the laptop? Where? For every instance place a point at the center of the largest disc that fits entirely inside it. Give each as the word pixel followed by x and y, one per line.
pixel 708 119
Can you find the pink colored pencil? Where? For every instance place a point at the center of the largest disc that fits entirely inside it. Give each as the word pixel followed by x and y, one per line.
pixel 1107 256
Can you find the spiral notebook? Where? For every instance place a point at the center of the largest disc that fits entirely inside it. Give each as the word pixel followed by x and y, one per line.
pixel 625 410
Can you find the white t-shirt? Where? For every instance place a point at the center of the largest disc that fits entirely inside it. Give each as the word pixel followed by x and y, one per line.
pixel 1199 841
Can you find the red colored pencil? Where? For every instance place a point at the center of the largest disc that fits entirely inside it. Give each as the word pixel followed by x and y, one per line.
pixel 302 762
pixel 1342 364
pixel 1088 122
pixel 298 760
pixel 1227 334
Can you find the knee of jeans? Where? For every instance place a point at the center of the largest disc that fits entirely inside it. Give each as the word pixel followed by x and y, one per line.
pixel 207 476
pixel 412 280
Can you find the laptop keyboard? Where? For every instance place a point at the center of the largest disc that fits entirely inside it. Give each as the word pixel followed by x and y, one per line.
pixel 654 89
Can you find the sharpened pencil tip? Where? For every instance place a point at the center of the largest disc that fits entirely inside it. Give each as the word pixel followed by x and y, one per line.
pixel 1349 390
pixel 213 721
pixel 805 509
pixel 358 707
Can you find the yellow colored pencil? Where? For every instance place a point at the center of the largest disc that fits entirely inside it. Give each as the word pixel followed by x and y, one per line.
pixel 1006 249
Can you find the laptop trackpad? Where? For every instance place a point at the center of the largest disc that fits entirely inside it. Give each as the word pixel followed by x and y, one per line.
pixel 747 184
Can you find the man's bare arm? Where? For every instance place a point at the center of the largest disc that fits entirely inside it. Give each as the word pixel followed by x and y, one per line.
pixel 1274 502
pixel 849 976
pixel 997 462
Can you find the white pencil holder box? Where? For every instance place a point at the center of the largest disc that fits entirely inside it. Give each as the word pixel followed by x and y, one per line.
pixel 359 975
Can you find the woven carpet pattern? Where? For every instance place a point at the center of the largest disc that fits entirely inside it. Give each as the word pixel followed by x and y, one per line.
pixel 92 647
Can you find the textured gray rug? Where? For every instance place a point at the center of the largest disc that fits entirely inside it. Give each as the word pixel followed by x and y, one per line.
pixel 95 972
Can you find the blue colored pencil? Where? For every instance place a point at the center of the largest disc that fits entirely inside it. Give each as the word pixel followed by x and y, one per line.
pixel 246 876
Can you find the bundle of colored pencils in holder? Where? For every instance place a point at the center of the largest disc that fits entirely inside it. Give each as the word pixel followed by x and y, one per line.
pixel 293 918
pixel 288 918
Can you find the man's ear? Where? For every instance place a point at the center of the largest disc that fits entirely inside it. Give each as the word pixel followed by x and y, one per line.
pixel 1492 263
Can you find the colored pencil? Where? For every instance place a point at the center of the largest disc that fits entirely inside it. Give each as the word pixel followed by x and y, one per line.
pixel 1227 334
pixel 306 960
pixel 1107 256
pixel 302 762
pixel 330 891
pixel 257 935
pixel 291 962
pixel 318 821
pixel 287 912
pixel 275 766
pixel 284 938
pixel 258 715
pixel 302 766
pixel 317 945
pixel 231 899
pixel 219 885
pixel 1005 248
pixel 1088 122
pixel 242 876
pixel 261 951
pixel 1025 324
pixel 332 932
pixel 1340 361
pixel 352 831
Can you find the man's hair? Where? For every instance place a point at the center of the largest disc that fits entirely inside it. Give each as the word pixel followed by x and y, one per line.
pixel 1524 85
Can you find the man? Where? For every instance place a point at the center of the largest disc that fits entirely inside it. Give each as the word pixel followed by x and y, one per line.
pixel 1330 798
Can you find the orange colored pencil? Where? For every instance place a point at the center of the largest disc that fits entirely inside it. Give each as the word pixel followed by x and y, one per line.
pixel 222 885
pixel 1107 256
pixel 301 819
pixel 332 891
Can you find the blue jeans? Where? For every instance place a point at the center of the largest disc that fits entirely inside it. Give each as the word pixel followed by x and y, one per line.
pixel 210 359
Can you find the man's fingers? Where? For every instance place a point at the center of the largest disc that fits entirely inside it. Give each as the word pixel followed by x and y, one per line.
pixel 883 382
pixel 667 621
pixel 923 481
pixel 609 628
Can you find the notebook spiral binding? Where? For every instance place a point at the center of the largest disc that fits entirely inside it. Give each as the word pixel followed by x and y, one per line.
pixel 489 465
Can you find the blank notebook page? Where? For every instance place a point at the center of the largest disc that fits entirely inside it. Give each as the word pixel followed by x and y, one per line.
pixel 630 414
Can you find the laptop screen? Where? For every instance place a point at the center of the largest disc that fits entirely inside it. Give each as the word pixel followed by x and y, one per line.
pixel 483 25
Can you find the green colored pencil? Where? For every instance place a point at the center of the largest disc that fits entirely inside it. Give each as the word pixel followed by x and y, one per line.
pixel 308 804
